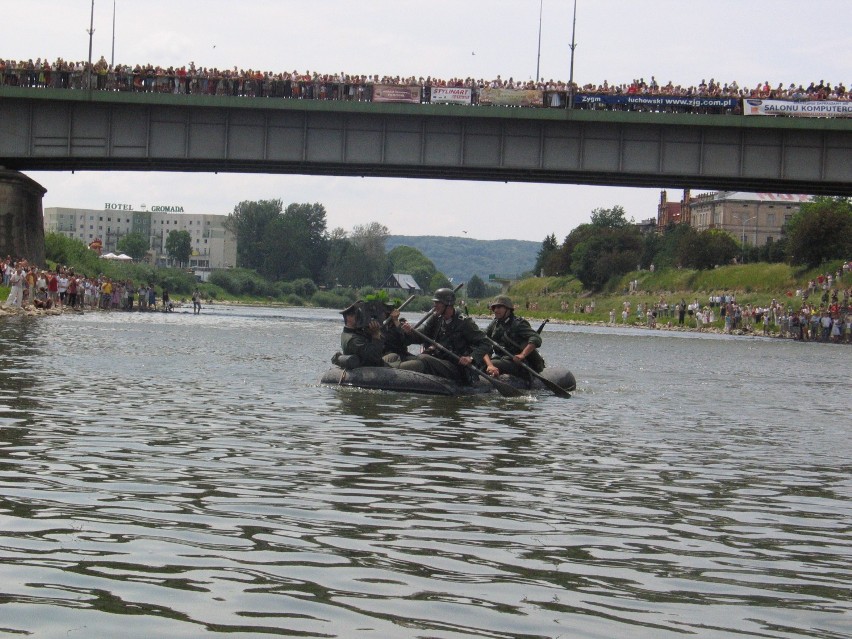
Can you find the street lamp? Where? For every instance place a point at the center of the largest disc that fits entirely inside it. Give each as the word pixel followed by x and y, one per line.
pixel 744 221
pixel 573 46
pixel 538 59
pixel 91 32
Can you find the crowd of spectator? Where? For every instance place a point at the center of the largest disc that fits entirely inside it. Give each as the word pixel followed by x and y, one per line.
pixel 824 312
pixel 198 80
pixel 37 288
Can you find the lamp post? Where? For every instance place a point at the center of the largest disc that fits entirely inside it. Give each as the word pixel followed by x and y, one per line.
pixel 573 46
pixel 538 57
pixel 91 32
pixel 744 221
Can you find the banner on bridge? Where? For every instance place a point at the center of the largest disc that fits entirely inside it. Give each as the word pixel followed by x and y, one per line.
pixel 450 95
pixel 815 109
pixel 512 97
pixel 395 93
pixel 654 101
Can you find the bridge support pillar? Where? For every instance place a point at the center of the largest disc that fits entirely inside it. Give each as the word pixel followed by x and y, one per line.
pixel 21 217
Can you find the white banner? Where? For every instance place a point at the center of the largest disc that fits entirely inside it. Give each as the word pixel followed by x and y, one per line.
pixel 451 95
pixel 817 109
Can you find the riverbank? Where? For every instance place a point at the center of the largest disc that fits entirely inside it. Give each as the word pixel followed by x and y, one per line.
pixel 775 332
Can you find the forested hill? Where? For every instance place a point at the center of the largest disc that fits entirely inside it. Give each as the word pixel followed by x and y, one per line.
pixel 460 258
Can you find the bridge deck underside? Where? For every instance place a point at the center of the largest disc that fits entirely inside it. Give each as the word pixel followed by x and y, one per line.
pixel 59 135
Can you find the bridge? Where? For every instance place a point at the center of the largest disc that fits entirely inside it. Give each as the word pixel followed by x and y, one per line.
pixel 65 130
pixel 62 130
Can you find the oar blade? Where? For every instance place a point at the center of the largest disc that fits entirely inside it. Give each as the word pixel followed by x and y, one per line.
pixel 506 390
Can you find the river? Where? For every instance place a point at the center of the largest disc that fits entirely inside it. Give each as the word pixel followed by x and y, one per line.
pixel 172 475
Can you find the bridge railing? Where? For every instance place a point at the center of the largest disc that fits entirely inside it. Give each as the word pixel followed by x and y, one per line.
pixel 303 88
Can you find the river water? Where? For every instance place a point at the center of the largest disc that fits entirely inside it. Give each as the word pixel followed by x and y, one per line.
pixel 171 475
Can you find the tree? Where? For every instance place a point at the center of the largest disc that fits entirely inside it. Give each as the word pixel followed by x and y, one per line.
pixel 547 254
pixel 476 287
pixel 439 280
pixel 249 222
pixel 820 231
pixel 610 252
pixel 708 249
pixel 613 218
pixel 134 244
pixel 179 246
pixel 370 241
pixel 406 259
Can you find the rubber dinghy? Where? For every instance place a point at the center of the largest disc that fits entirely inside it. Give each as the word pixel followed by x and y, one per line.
pixel 403 381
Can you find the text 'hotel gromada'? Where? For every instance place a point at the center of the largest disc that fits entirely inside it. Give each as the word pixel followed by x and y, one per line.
pixel 212 245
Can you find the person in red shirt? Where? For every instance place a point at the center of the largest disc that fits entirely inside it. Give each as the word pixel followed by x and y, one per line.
pixel 53 288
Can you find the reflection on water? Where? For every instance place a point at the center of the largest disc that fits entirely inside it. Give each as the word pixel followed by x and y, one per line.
pixel 190 472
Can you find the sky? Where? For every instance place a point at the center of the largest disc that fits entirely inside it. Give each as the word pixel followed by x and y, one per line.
pixel 749 41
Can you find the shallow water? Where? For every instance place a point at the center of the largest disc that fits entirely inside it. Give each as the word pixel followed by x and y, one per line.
pixel 178 475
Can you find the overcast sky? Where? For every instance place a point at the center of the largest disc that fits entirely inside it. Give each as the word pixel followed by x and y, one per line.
pixel 749 41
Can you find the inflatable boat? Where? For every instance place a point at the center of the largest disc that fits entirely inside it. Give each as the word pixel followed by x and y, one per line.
pixel 404 381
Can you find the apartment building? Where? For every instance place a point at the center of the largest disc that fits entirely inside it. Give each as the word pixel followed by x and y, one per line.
pixel 213 246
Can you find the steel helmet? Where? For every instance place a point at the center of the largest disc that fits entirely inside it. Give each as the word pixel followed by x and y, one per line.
pixel 502 300
pixel 445 296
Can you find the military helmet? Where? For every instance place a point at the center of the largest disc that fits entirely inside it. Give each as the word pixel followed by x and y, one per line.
pixel 502 300
pixel 445 296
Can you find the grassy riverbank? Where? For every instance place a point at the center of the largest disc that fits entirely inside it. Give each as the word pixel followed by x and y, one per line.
pixel 557 297
pixel 755 284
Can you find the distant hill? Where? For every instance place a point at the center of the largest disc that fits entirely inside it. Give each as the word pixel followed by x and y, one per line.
pixel 460 258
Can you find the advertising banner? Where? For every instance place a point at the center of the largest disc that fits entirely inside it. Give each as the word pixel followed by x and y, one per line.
pixel 654 101
pixel 807 109
pixel 511 97
pixel 451 95
pixel 394 93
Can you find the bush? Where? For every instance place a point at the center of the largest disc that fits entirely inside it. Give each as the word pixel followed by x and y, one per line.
pixel 330 299
pixel 284 289
pixel 304 287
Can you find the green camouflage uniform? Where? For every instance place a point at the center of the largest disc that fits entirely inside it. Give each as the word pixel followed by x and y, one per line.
pixel 514 333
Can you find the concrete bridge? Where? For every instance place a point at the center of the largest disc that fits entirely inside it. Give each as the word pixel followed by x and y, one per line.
pixel 63 130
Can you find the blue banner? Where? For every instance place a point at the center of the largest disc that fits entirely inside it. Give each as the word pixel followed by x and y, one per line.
pixel 653 101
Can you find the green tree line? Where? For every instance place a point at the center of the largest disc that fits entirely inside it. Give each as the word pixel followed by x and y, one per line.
pixel 610 245
pixel 294 243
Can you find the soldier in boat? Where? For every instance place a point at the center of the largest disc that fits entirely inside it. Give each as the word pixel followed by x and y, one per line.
pixel 365 337
pixel 515 335
pixel 457 333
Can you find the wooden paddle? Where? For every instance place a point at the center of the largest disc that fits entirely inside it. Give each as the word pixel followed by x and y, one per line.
pixel 556 388
pixel 502 387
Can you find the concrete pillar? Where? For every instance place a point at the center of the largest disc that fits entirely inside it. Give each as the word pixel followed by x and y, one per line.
pixel 21 217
